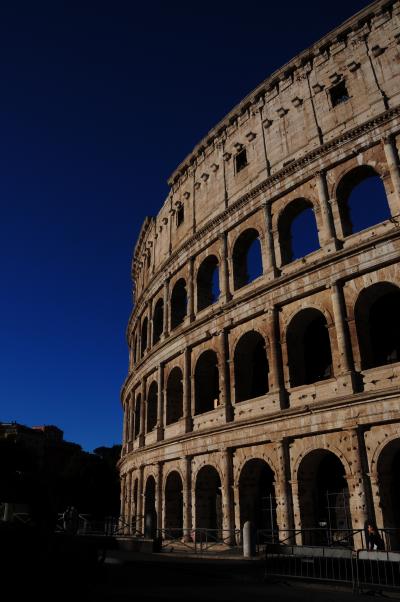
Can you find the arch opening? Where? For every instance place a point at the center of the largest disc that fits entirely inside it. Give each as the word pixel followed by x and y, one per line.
pixel 247 258
pixel 144 336
pixel 208 290
pixel 152 400
pixel 173 506
pixel 324 500
pixel 378 325
pixel 138 406
pixel 362 200
pixel 257 497
pixel 251 367
pixel 206 379
pixel 389 490
pixel 209 500
pixel 298 232
pixel 158 321
pixel 135 350
pixel 150 513
pixel 178 303
pixel 174 410
pixel 309 348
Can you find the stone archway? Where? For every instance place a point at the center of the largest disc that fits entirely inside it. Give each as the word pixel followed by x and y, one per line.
pixel 324 500
pixel 209 500
pixel 173 497
pixel 389 489
pixel 257 497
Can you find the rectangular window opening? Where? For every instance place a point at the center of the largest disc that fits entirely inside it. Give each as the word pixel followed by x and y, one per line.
pixel 180 215
pixel 241 160
pixel 339 93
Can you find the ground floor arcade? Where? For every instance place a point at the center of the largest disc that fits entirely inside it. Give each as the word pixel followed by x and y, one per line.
pixel 316 489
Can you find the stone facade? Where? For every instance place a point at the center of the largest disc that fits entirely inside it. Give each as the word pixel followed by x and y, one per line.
pixel 275 398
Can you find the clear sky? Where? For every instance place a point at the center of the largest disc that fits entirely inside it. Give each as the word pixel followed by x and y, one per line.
pixel 99 102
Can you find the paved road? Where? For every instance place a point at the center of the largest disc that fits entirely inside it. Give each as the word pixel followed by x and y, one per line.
pixel 155 579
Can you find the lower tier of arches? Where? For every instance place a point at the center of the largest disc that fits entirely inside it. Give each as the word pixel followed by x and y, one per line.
pixel 318 489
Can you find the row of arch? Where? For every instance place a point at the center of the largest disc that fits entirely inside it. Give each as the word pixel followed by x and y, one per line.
pixel 309 353
pixel 327 511
pixel 362 203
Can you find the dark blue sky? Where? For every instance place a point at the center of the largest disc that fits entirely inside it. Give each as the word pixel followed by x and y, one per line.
pixel 99 102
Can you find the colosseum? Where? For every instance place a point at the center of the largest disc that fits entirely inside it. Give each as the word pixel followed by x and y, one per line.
pixel 264 342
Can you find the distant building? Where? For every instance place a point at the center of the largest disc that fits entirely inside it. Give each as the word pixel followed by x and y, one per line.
pixel 45 441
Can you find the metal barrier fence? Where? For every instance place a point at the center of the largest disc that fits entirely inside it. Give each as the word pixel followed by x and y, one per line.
pixel 377 570
pixel 201 540
pixel 361 570
pixel 110 526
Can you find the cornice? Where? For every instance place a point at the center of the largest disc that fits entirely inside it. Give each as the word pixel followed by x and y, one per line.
pixel 283 414
pixel 332 39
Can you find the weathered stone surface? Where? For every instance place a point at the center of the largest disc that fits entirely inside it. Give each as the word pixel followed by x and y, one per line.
pixel 307 142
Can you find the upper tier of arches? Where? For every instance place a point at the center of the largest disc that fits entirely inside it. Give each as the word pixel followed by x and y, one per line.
pixel 299 229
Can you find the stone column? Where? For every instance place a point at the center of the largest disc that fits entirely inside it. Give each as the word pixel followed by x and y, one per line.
pixel 228 517
pixel 128 517
pixel 149 325
pixel 276 384
pixel 389 146
pixel 357 491
pixel 283 502
pixel 125 426
pixel 187 499
pixel 346 377
pixel 270 269
pixel 236 510
pixel 376 498
pixel 224 276
pixel 190 288
pixel 142 413
pixel 131 419
pixel 159 495
pixel 122 497
pixel 187 410
pixel 160 402
pixel 225 400
pixel 140 500
pixel 328 239
pixel 294 484
pixel 166 307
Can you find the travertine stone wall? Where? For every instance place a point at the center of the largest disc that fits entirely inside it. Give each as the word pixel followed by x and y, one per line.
pixel 300 143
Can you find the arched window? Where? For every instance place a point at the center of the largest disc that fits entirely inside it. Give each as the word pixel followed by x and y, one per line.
pixel 174 410
pixel 309 349
pixel 207 283
pixel 178 303
pixel 298 233
pixel 361 200
pixel 158 321
pixel 247 259
pixel 378 324
pixel 138 406
pixel 144 336
pixel 206 380
pixel 251 367
pixel 152 398
pixel 135 350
